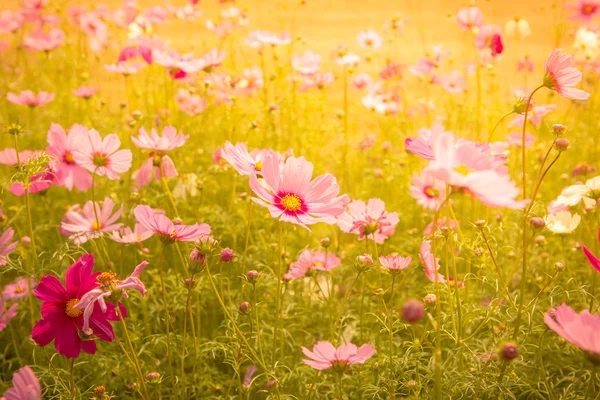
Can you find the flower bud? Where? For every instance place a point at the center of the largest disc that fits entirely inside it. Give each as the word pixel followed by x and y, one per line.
pixel 146 250
pixel 540 239
pixel 363 262
pixel 509 351
pixel 499 217
pixel 244 307
pixel 430 298
pixel 559 266
pixel 25 240
pixel 480 223
pixel 153 377
pixel 252 276
pixel 177 221
pixel 99 391
pixel 198 260
pixel 562 144
pixel 558 129
pixel 227 255
pixel 325 242
pixel 207 243
pixel 537 223
pixel 189 282
pixel 413 311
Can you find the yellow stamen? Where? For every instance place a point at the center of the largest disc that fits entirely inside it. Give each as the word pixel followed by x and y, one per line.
pixel 71 311
pixel 291 202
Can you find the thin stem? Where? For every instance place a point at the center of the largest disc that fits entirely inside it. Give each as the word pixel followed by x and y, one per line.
pixel 391 332
pixel 166 312
pixel 247 235
pixel 489 139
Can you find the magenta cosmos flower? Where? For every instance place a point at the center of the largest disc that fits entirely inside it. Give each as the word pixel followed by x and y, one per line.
pixel 325 355
pixel 61 321
pixel 25 386
pixel 158 164
pixel 244 162
pixel 593 260
pixel 37 183
pixel 88 223
pixel 291 195
pixel 6 247
pixel 579 329
pixel 368 220
pixel 318 261
pixel 6 314
pixel 561 77
pixel 61 147
pixel 394 263
pixel 28 98
pixel 166 229
pixel 102 156
pixel 431 264
pixel 19 289
pixel 109 284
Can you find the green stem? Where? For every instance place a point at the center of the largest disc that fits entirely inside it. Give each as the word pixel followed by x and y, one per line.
pixel 166 312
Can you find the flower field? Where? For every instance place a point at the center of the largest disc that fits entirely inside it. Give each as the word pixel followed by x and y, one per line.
pixel 299 200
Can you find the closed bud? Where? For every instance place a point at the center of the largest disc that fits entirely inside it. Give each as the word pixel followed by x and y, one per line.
pixel 325 242
pixel 227 255
pixel 562 144
pixel 252 276
pixel 430 298
pixel 559 266
pixel 153 377
pixel 244 307
pixel 177 221
pixel 413 311
pixel 537 223
pixel 558 129
pixel 509 351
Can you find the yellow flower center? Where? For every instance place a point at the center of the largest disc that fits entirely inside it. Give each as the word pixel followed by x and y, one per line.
pixel 291 202
pixel 19 289
pixel 106 279
pixel 431 192
pixel 462 170
pixel 69 158
pixel 258 166
pixel 319 264
pixel 96 226
pixel 71 311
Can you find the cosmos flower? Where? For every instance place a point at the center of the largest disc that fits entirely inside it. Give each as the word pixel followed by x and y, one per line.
pixel 28 98
pixel 135 52
pixel 158 164
pixel 6 313
pixel 309 260
pixel 244 162
pixel 429 192
pixel 469 18
pixel 89 223
pixel 126 235
pixel 324 355
pixel 9 156
pixel 189 103
pixel 85 92
pixel 369 220
pixel 291 195
pixel 369 39
pixel 578 329
pixel 562 222
pixel 258 39
pixel 166 229
pixel 453 83
pixel 37 183
pixel 561 77
pixel 61 146
pixel 25 386
pixel 394 264
pixel 19 289
pixel 39 40
pixel 102 156
pixel 307 63
pixel 584 10
pixel 6 247
pixel 575 194
pixel 593 260
pixel 431 264
pixel 61 322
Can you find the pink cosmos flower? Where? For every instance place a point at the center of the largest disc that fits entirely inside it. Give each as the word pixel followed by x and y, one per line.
pixel 244 162
pixel 454 82
pixel 421 145
pixel 89 223
pixel 258 39
pixel 250 81
pixel 291 195
pixel 126 235
pixel 39 40
pixel 361 81
pixel 324 355
pixel 578 329
pixel 535 115
pixel 6 247
pixel 85 92
pixel 189 103
pixel 9 156
pixel 394 263
pixel 561 77
pixel 308 261
pixel 134 52
pixel 369 39
pixel 159 164
pixel 318 81
pixel 61 321
pixel 109 284
pixel 442 223
pixel 525 64
pixel 125 68
pixel 37 183
pixel 489 37
pixel 28 98
pixel 166 229
pixel 10 21
pixel 6 314
pixel 102 156
pixel 592 259
pixel 469 18
pixel 25 386
pixel 584 10
pixel 348 60
pixel 19 289
pixel 61 147
pixel 516 139
pixel 429 192
pixel 307 63
pixel 368 220
pixel 431 264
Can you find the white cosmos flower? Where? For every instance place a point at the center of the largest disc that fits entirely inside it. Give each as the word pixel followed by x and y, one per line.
pixel 573 195
pixel 562 222
pixel 519 27
pixel 587 44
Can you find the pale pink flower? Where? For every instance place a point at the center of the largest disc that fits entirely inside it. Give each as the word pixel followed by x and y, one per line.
pixel 555 207
pixel 61 147
pixel 489 37
pixel 159 164
pixel 394 263
pixel 6 314
pixel 429 192
pixel 316 81
pixel 9 156
pixel 324 355
pixel 535 115
pixel 258 39
pixel 348 60
pixel 431 264
pixel 561 77
pixel 19 289
pixel 6 247
pixel 291 195
pixel 369 220
pixel 92 221
pixel 469 18
pixel 25 385
pixel 584 10
pixel 307 63
pixel 189 103
pixel 126 235
pixel 166 229
pixel 526 64
pixel 40 41
pixel 454 82
pixel 125 68
pixel 516 139
pixel 109 284
pixel 251 81
pixel 212 59
pixel 421 145
pixel 244 162
pixel 578 329
pixel 28 98
pixel 10 21
pixel 361 81
pixel 102 156
pixel 308 261
pixel 442 223
pixel 189 12
pixel 85 92
pixel 369 39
